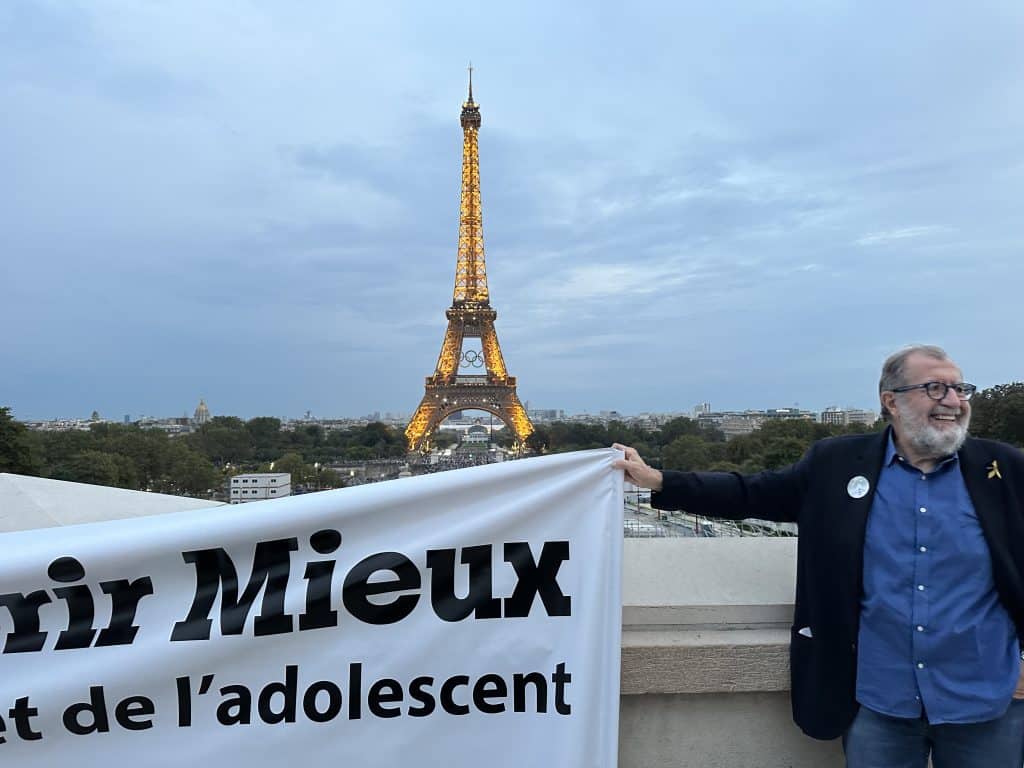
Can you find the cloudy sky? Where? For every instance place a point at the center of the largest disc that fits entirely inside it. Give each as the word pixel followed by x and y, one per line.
pixel 749 203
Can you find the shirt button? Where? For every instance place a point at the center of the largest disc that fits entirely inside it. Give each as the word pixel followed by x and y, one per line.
pixel 920 665
pixel 920 628
pixel 924 477
pixel 922 510
pixel 920 587
pixel 924 549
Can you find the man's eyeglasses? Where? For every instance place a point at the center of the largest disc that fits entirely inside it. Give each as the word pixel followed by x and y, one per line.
pixel 937 390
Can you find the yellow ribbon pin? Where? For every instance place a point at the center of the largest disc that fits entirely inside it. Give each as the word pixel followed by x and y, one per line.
pixel 993 470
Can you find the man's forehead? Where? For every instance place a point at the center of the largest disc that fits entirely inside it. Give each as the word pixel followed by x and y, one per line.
pixel 919 363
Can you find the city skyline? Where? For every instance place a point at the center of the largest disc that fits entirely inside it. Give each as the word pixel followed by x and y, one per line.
pixel 743 205
pixel 400 416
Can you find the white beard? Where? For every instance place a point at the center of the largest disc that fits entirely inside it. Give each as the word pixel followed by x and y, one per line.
pixel 928 440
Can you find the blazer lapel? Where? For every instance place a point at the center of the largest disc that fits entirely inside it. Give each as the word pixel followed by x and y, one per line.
pixel 868 464
pixel 986 492
pixel 865 461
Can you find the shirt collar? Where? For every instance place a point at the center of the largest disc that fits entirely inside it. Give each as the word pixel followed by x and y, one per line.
pixel 892 456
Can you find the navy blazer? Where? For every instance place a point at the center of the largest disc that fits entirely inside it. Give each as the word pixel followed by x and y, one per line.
pixel 830 552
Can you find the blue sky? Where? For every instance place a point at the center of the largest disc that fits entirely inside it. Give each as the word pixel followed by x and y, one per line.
pixel 748 203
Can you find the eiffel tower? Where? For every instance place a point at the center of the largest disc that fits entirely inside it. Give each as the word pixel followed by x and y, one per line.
pixel 469 317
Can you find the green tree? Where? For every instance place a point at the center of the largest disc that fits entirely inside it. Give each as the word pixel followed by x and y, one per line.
pixel 188 472
pixel 382 440
pixel 328 478
pixel 743 449
pixel 504 438
pixel 60 447
pixel 17 452
pixel 575 436
pixel 265 437
pixel 98 468
pixel 223 439
pixel 998 413
pixel 444 438
pixel 146 450
pixel 293 463
pixel 539 440
pixel 782 451
pixel 676 428
pixel 800 429
pixel 688 453
pixel 358 453
pixel 725 466
pixel 307 439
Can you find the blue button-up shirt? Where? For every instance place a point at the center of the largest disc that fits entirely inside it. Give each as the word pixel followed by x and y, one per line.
pixel 934 638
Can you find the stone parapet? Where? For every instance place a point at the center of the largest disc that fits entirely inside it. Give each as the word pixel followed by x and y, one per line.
pixel 705 656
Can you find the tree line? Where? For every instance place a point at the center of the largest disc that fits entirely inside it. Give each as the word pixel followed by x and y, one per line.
pixel 127 456
pixel 996 413
pixel 684 444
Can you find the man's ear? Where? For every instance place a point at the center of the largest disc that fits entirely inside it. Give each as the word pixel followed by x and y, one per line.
pixel 888 400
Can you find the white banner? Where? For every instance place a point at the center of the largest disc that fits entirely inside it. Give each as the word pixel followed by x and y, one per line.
pixel 458 619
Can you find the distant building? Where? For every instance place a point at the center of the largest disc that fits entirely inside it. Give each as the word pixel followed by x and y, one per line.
pixel 834 417
pixel 738 423
pixel 472 430
pixel 843 417
pixel 546 414
pixel 259 486
pixel 476 434
pixel 655 421
pixel 790 414
pixel 202 414
pixel 858 416
pixel 732 423
pixel 386 417
pixel 177 425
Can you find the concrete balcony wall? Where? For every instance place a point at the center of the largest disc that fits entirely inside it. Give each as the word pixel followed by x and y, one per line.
pixel 705 657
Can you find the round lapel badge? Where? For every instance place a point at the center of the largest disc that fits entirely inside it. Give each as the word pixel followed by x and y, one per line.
pixel 858 487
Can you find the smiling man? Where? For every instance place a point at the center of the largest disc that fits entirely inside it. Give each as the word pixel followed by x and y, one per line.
pixel 909 615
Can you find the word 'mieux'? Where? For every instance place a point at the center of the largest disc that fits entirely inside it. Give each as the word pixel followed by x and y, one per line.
pixel 390 577
pixel 393 581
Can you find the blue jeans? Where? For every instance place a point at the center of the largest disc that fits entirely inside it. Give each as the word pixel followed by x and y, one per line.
pixel 878 741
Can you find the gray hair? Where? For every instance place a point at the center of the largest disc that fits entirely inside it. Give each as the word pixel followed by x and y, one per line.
pixel 894 365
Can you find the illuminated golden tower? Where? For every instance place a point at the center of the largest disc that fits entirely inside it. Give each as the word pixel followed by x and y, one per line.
pixel 469 317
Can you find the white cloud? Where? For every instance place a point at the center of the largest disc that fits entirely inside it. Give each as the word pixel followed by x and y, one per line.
pixel 598 281
pixel 906 233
